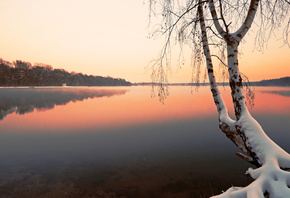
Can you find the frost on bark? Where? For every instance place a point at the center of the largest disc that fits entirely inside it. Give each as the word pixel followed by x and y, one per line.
pixel 203 24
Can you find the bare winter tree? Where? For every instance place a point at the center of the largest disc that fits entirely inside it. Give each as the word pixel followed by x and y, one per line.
pixel 214 29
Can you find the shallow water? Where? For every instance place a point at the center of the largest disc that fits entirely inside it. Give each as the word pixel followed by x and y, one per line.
pixel 118 141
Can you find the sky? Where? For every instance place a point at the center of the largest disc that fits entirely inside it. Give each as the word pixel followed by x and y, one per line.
pixel 107 38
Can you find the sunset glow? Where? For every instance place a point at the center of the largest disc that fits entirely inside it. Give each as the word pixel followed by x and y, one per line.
pixel 108 39
pixel 144 98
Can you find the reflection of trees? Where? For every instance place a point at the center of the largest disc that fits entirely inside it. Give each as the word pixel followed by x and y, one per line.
pixel 24 101
pixel 285 93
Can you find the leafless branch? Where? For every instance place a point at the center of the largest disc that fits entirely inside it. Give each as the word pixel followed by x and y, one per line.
pixel 220 60
pixel 222 17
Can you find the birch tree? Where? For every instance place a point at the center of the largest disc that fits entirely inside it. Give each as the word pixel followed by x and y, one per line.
pixel 215 29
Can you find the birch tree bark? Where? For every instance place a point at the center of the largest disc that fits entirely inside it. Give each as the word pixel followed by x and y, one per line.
pixel 272 178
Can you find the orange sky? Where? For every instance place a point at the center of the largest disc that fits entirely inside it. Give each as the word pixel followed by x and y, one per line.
pixel 106 38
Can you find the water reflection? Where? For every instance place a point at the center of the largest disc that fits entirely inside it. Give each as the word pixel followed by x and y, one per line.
pixel 131 145
pixel 280 92
pixel 133 108
pixel 25 100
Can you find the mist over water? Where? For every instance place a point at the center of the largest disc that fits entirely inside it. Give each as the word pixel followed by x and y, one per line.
pixel 279 92
pixel 120 140
pixel 25 100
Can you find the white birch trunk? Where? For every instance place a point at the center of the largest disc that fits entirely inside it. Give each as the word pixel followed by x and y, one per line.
pixel 235 79
pixel 226 124
pixel 271 178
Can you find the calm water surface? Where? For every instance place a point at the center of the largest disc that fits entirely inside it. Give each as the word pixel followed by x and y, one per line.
pixel 120 142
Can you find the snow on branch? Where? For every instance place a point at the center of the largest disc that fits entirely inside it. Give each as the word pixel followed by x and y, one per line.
pixel 272 178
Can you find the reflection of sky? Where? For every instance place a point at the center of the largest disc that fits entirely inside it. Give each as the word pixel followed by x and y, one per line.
pixel 133 128
pixel 279 92
pixel 23 100
pixel 272 100
pixel 132 108
pixel 129 108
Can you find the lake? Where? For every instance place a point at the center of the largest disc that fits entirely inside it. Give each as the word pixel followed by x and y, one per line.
pixel 121 142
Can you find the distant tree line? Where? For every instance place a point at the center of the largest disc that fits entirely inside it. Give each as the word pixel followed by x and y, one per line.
pixel 274 82
pixel 21 73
